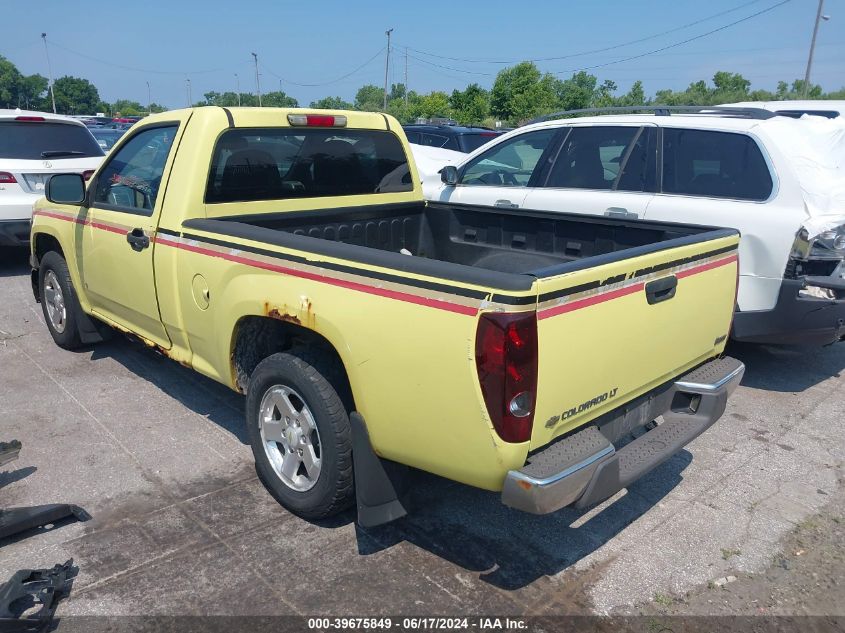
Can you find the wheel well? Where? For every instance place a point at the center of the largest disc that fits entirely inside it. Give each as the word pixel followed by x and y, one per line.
pixel 257 337
pixel 45 243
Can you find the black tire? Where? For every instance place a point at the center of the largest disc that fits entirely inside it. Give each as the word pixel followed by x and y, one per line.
pixel 67 336
pixel 305 371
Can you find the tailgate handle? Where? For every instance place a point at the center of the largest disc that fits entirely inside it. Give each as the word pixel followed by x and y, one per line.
pixel 661 289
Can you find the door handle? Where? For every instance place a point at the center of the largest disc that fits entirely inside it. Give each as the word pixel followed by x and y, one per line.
pixel 661 289
pixel 138 240
pixel 505 204
pixel 620 212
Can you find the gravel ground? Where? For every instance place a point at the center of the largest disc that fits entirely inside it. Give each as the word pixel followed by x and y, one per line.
pixel 181 526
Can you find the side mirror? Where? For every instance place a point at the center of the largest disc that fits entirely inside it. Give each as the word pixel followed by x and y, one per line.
pixel 449 175
pixel 66 189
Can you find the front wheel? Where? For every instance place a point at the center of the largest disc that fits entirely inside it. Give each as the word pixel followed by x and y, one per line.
pixel 300 434
pixel 58 300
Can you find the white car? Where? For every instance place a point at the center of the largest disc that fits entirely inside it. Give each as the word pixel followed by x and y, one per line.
pixel 779 180
pixel 33 147
pixel 828 108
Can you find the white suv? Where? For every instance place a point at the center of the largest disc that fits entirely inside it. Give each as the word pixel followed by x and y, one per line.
pixel 779 180
pixel 33 147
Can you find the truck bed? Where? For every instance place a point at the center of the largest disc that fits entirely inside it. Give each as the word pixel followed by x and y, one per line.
pixel 511 243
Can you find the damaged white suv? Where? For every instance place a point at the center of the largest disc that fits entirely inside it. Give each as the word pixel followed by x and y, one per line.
pixel 779 180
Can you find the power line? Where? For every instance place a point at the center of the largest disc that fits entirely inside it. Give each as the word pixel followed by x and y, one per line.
pixel 460 70
pixel 140 70
pixel 676 44
pixel 594 51
pixel 326 83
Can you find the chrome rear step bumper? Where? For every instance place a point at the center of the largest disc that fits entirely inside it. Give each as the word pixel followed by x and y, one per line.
pixel 585 467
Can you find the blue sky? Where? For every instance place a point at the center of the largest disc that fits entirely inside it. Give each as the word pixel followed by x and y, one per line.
pixel 307 42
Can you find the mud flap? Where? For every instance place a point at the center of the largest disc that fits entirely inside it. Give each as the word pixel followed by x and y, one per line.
pixel 381 486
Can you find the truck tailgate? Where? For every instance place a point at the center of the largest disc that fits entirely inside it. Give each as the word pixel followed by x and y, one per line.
pixel 610 332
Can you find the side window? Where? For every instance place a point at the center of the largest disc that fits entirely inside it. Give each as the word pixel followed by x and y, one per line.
pixel 714 164
pixel 434 140
pixel 130 180
pixel 591 158
pixel 509 164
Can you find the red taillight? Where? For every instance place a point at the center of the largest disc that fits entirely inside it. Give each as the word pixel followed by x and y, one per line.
pixel 506 360
pixel 317 120
pixel 6 178
pixel 86 175
pixel 29 118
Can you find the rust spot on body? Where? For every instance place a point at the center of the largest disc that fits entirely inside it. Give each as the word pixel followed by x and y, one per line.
pixel 274 313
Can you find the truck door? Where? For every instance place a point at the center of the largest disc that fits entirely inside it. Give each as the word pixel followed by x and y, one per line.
pixel 125 200
pixel 600 170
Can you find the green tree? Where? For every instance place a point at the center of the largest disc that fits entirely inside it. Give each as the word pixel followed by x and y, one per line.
pixel 603 97
pixel 369 98
pixel 32 91
pixel 471 105
pixel 521 92
pixel 10 79
pixel 332 103
pixel 278 99
pixel 75 95
pixel 434 104
pixel 635 96
pixel 579 91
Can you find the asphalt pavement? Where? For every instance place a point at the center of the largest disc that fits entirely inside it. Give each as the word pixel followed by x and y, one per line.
pixel 157 455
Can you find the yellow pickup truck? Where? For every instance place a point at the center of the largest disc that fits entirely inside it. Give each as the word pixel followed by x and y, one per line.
pixel 289 255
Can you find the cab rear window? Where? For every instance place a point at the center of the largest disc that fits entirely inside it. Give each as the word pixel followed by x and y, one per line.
pixel 280 163
pixel 43 140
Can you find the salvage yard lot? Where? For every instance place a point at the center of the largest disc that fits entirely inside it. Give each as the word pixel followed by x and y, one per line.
pixel 158 456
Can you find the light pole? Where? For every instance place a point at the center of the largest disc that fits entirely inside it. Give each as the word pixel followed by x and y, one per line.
pixel 257 84
pixel 188 87
pixel 149 100
pixel 49 72
pixel 238 84
pixel 386 65
pixel 819 17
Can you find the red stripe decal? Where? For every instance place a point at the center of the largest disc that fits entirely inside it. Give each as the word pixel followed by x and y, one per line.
pixel 96 225
pixel 589 301
pixel 621 292
pixel 351 285
pixel 708 266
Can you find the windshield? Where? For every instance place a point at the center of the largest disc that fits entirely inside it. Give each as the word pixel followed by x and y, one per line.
pixel 44 140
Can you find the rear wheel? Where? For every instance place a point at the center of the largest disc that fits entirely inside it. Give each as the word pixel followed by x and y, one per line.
pixel 300 434
pixel 58 300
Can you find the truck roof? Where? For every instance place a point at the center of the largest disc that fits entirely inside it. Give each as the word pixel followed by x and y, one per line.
pixel 277 117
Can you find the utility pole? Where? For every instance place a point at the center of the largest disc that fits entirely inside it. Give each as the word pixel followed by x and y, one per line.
pixel 257 85
pixel 406 76
pixel 49 72
pixel 386 65
pixel 188 86
pixel 238 83
pixel 149 100
pixel 819 17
